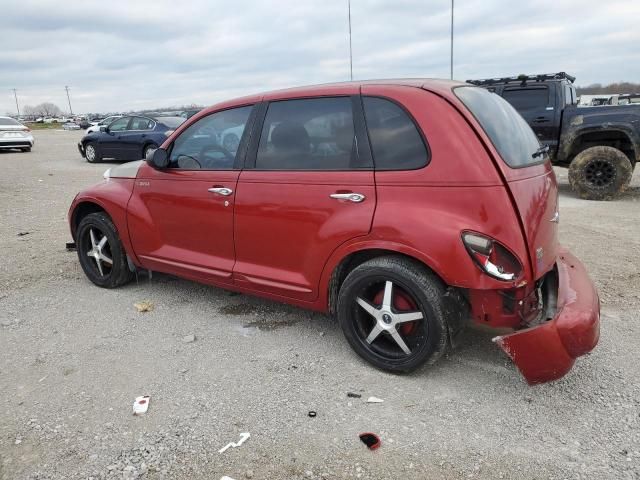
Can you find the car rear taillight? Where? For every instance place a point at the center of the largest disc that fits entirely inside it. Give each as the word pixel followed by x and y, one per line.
pixel 492 257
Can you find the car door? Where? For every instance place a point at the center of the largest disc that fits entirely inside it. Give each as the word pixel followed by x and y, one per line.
pixel 181 217
pixel 112 141
pixel 134 137
pixel 307 187
pixel 536 106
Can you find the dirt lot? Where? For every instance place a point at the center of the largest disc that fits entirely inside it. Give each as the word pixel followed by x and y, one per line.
pixel 73 357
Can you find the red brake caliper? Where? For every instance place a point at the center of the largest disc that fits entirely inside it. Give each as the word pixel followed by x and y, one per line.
pixel 401 303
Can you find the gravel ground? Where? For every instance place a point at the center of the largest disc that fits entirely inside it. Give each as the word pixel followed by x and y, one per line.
pixel 73 357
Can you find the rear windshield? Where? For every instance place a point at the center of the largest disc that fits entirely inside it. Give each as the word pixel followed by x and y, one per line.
pixel 510 133
pixel 8 121
pixel 171 122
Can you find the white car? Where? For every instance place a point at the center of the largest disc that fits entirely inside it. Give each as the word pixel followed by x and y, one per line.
pixel 15 135
pixel 71 126
pixel 102 123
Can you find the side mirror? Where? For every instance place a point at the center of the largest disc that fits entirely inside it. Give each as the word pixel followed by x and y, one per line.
pixel 158 159
pixel 104 129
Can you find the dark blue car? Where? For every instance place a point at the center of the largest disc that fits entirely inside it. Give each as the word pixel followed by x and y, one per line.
pixel 127 138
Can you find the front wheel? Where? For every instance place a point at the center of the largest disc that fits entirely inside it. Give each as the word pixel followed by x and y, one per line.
pixel 92 153
pixel 391 312
pixel 600 173
pixel 101 253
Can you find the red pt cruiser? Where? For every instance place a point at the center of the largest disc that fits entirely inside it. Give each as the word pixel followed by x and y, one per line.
pixel 402 207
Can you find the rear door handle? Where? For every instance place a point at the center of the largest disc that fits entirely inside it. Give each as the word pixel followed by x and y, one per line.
pixel 352 197
pixel 221 191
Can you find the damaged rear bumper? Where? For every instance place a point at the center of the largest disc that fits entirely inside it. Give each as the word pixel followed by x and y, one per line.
pixel 547 352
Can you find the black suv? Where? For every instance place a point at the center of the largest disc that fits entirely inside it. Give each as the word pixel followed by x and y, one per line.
pixel 600 145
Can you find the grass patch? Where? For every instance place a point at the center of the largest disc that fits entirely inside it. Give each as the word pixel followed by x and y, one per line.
pixel 44 126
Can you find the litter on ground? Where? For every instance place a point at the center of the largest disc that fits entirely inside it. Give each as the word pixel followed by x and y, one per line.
pixel 141 405
pixel 143 306
pixel 243 437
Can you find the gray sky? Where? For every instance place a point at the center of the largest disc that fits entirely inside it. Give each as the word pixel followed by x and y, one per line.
pixel 133 54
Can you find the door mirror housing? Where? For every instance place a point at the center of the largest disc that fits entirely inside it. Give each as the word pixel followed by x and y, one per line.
pixel 104 129
pixel 158 159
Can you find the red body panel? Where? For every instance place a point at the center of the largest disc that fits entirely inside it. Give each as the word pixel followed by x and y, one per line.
pixel 280 236
pixel 547 352
pixel 178 226
pixel 286 226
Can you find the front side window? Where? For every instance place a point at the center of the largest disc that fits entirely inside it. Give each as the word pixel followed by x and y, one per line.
pixel 309 134
pixel 141 123
pixel 509 132
pixel 119 125
pixel 395 140
pixel 527 98
pixel 212 143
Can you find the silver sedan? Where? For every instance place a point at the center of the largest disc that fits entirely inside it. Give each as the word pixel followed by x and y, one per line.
pixel 15 135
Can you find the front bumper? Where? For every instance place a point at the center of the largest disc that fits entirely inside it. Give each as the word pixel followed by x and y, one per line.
pixel 547 352
pixel 81 149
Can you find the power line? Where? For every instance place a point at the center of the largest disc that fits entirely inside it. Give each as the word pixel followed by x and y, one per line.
pixel 451 61
pixel 69 100
pixel 15 95
pixel 350 48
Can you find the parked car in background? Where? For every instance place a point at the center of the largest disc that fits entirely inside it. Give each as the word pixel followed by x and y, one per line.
pixel 189 113
pixel 95 126
pixel 13 134
pixel 403 207
pixel 600 146
pixel 127 138
pixel 71 126
pixel 84 123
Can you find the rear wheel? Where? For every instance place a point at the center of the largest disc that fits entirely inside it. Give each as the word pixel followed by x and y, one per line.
pixel 391 312
pixel 101 253
pixel 147 149
pixel 92 153
pixel 600 173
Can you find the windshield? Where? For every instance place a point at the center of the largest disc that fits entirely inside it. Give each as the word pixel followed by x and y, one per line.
pixel 8 121
pixel 509 132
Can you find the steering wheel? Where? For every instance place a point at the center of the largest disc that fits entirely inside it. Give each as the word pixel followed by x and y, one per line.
pixel 188 163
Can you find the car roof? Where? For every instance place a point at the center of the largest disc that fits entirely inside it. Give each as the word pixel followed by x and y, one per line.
pixel 439 86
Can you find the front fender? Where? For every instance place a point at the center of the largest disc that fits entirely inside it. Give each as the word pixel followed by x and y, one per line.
pixel 580 126
pixel 112 196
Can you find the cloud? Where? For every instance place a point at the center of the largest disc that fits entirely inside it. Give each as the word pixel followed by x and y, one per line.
pixel 124 55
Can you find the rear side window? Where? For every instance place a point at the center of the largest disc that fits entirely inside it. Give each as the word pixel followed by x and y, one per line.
pixel 309 134
pixel 395 140
pixel 527 98
pixel 141 123
pixel 509 132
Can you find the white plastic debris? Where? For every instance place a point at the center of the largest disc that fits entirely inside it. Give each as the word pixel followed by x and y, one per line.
pixel 226 478
pixel 141 405
pixel 243 438
pixel 374 400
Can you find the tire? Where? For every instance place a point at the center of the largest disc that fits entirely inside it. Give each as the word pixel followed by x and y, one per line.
pixel 96 156
pixel 414 290
pixel 100 272
pixel 26 149
pixel 600 173
pixel 145 150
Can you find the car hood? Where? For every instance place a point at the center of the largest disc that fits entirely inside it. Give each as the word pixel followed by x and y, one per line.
pixel 126 170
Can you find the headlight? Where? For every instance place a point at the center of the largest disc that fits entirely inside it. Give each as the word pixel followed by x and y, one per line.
pixel 492 257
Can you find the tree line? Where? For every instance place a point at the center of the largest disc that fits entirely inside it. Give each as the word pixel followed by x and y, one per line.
pixel 597 88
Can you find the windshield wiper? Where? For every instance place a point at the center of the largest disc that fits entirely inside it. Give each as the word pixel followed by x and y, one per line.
pixel 541 151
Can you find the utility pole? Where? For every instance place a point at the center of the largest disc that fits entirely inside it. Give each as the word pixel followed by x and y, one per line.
pixel 350 48
pixel 66 87
pixel 451 61
pixel 15 95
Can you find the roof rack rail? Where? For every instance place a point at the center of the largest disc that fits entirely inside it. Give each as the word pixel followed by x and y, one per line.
pixel 523 79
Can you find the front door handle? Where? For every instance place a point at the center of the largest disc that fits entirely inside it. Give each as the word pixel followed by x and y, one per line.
pixel 352 197
pixel 221 191
pixel 540 120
